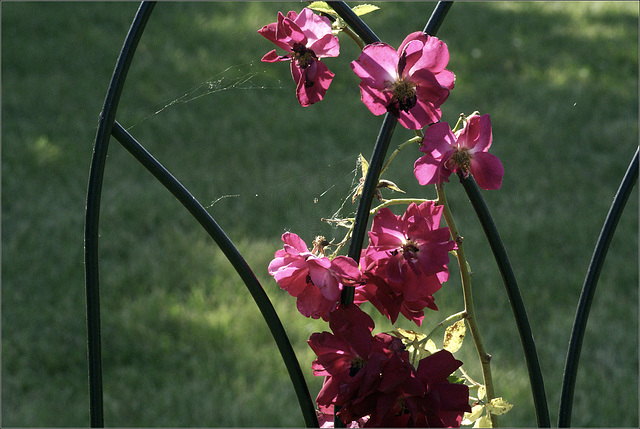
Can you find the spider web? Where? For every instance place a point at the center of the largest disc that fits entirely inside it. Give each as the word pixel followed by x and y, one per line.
pixel 302 199
pixel 236 77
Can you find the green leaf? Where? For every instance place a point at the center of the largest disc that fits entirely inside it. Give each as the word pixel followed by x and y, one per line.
pixel 454 379
pixel 454 335
pixel 498 406
pixel 363 9
pixel 321 6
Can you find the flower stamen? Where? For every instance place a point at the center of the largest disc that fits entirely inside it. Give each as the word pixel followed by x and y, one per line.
pixel 404 93
pixel 303 55
pixel 462 158
pixel 410 250
pixel 319 243
pixel 356 365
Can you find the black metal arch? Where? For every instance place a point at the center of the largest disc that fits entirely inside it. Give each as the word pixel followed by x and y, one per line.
pixel 108 126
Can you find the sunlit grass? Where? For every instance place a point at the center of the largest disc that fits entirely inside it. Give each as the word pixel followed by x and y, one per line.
pixel 184 344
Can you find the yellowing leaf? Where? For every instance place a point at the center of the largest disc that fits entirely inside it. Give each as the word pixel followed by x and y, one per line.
pixel 474 415
pixel 431 347
pixel 410 339
pixel 409 334
pixel 483 422
pixel 363 9
pixel 454 335
pixel 321 6
pixel 482 392
pixel 498 406
pixel 364 166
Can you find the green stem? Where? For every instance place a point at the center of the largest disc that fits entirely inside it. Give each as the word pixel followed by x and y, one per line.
pixel 459 123
pixel 397 201
pixel 485 358
pixel 354 36
pixel 417 139
pixel 343 242
pixel 448 321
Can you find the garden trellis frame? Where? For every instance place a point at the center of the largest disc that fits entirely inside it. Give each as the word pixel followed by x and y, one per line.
pixel 108 126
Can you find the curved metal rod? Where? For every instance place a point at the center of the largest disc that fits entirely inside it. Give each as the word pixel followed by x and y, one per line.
pixel 515 299
pixel 382 142
pixel 384 136
pixel 233 255
pixel 354 21
pixel 437 16
pixel 92 212
pixel 364 205
pixel 589 290
pixel 379 151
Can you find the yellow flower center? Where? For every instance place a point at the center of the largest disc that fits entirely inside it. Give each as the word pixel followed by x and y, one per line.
pixel 410 249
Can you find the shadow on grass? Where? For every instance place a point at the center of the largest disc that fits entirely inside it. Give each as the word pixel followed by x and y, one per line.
pixel 184 345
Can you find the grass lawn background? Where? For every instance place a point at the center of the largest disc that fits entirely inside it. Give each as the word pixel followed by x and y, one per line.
pixel 183 343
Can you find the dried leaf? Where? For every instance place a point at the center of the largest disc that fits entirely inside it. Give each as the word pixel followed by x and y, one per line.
pixel 483 422
pixel 431 347
pixel 410 339
pixel 364 166
pixel 482 392
pixel 498 406
pixel 389 184
pixel 454 335
pixel 474 415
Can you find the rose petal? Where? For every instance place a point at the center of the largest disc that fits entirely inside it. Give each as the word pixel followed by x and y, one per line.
pixel 311 303
pixel 430 171
pixel 480 131
pixel 290 32
pixel 376 101
pixel 429 89
pixel 420 115
pixel 320 81
pixel 446 78
pixel 327 46
pixel 294 241
pixel 323 278
pixel 435 56
pixel 377 65
pixel 269 32
pixel 487 170
pixel 438 140
pixel 272 57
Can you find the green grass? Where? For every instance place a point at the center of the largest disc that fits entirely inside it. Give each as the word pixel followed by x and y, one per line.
pixel 183 343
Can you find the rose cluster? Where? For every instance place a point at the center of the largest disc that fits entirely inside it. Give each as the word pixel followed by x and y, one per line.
pixel 372 380
pixel 369 379
pixel 403 266
pixel 411 83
